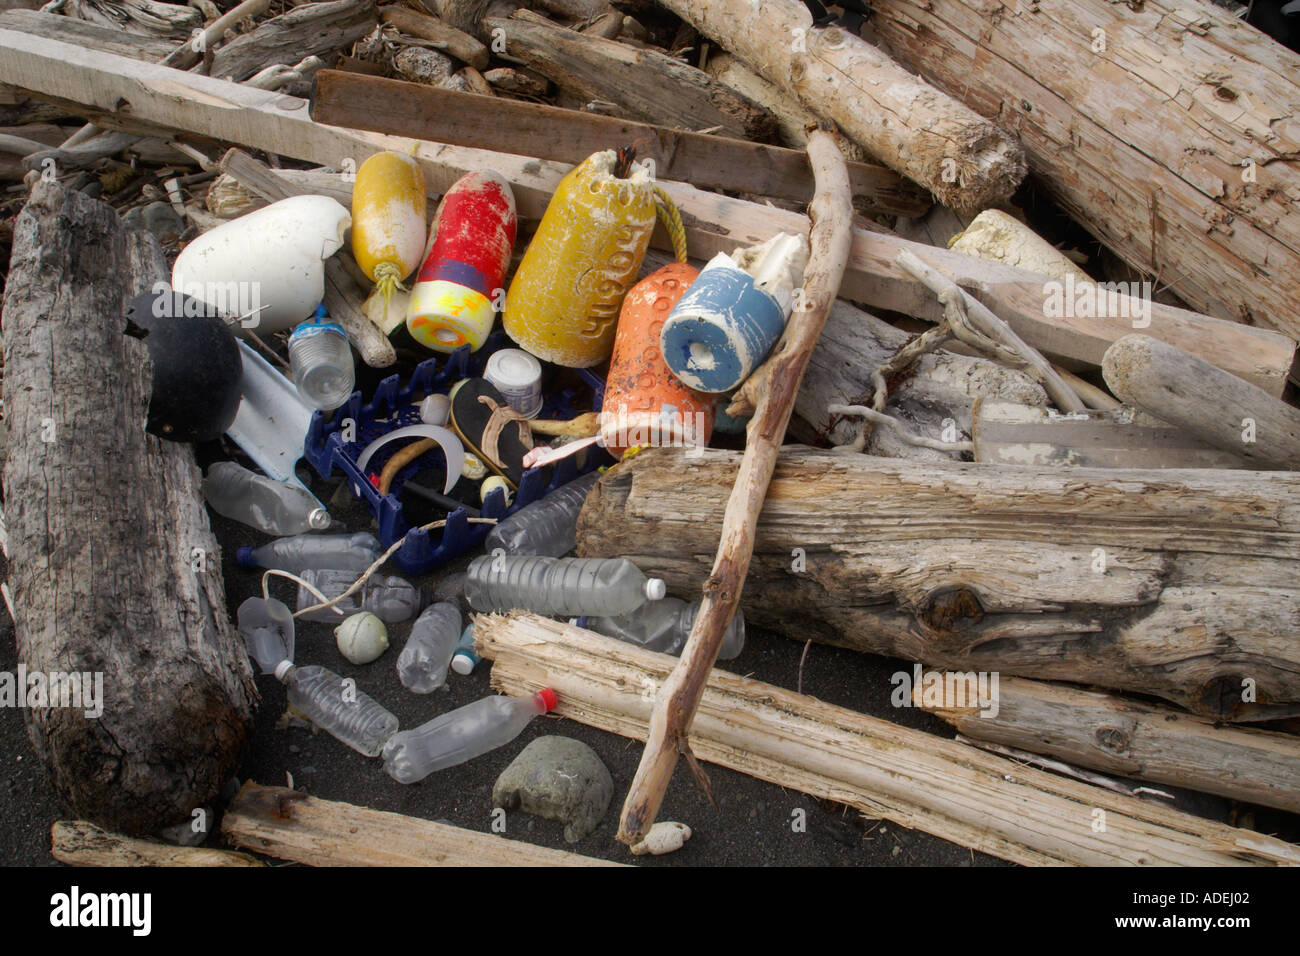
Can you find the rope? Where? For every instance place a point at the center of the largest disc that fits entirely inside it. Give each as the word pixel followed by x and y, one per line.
pixel 672 220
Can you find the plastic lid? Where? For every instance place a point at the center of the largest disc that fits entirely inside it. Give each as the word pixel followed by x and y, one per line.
pixel 244 558
pixel 282 669
pixel 549 700
pixel 513 371
pixel 463 662
pixel 655 589
pixel 319 519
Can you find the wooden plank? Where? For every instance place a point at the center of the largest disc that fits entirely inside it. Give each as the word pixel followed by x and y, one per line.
pixel 142 97
pixel 293 826
pixel 570 136
pixel 953 791
pixel 1124 736
pixel 80 843
pixel 1010 434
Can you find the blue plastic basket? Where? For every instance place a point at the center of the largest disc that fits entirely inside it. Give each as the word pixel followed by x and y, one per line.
pixel 394 405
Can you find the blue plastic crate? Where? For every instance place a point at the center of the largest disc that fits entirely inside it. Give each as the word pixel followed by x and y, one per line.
pixel 394 405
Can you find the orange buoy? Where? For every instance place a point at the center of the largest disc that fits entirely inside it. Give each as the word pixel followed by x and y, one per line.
pixel 645 403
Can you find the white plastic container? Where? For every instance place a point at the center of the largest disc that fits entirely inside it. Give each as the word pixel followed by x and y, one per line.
pixel 518 377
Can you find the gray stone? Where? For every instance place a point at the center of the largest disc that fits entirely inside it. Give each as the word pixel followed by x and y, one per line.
pixel 558 778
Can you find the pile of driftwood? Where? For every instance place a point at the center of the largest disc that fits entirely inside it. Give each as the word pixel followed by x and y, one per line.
pixel 1021 461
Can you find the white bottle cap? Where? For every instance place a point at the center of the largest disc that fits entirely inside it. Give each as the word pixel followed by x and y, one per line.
pixel 518 377
pixel 282 669
pixel 462 664
pixel 435 410
pixel 655 589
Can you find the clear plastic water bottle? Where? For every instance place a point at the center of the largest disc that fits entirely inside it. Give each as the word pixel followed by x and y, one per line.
pixel 338 708
pixel 388 597
pixel 664 626
pixel 422 665
pixel 462 735
pixel 569 587
pixel 548 526
pixel 266 626
pixel 263 503
pixel 466 658
pixel 303 552
pixel 320 362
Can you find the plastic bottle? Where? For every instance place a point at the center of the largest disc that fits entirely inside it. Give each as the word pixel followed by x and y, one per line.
pixel 462 735
pixel 320 362
pixel 388 597
pixel 559 586
pixel 339 552
pixel 548 526
pixel 466 658
pixel 266 626
pixel 422 665
pixel 338 708
pixel 664 626
pixel 263 503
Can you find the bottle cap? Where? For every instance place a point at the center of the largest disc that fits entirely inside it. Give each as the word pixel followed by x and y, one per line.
pixel 548 698
pixel 655 589
pixel 463 662
pixel 319 519
pixel 282 670
pixel 518 377
pixel 244 558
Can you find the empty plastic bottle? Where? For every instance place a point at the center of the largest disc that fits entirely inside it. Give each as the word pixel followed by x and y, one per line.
pixel 388 597
pixel 466 658
pixel 338 708
pixel 548 526
pixel 304 552
pixel 266 626
pixel 569 587
pixel 461 735
pixel 422 665
pixel 664 626
pixel 263 503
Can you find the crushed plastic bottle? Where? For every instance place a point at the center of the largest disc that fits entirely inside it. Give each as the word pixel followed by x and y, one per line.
pixel 266 626
pixel 270 506
pixel 337 707
pixel 466 658
pixel 547 527
pixel 305 552
pixel 664 626
pixel 388 597
pixel 461 735
pixel 422 665
pixel 568 587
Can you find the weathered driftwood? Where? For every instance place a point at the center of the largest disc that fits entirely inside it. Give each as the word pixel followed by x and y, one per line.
pixel 443 116
pixel 312 29
pixel 831 212
pixel 964 159
pixel 149 18
pixel 650 86
pixel 1197 185
pixel 95 35
pixel 1181 584
pixel 464 15
pixel 447 38
pixel 81 843
pixel 1006 433
pixel 97 85
pixel 951 790
pixel 1204 400
pixel 293 826
pixel 113 567
pixel 1002 238
pixel 1120 735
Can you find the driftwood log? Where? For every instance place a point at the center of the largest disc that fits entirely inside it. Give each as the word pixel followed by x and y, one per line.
pixel 81 843
pixel 1197 184
pixel 1203 400
pixel 1180 584
pixel 831 212
pixel 446 38
pixel 121 93
pixel 650 86
pixel 113 568
pixel 150 18
pixel 1119 735
pixel 951 790
pixel 907 124
pixel 312 29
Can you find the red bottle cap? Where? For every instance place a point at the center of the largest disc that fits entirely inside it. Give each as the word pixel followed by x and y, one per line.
pixel 549 700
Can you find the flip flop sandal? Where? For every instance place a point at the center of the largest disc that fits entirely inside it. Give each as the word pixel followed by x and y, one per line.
pixel 493 431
